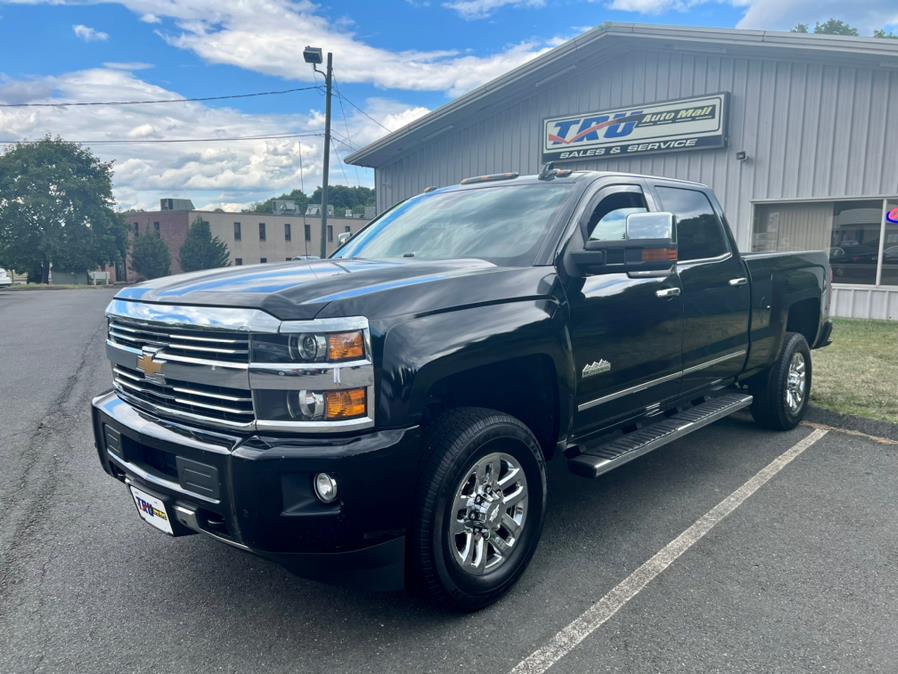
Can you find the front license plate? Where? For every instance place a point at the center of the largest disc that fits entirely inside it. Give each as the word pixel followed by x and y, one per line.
pixel 152 510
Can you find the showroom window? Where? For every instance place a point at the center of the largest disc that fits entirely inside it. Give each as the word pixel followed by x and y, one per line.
pixel 855 233
pixel 890 245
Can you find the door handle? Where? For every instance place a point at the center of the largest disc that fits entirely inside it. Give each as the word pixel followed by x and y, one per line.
pixel 741 281
pixel 667 292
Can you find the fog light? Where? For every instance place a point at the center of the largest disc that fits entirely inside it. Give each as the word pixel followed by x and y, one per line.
pixel 325 488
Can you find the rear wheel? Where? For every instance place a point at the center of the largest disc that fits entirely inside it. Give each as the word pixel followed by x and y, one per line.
pixel 481 508
pixel 781 394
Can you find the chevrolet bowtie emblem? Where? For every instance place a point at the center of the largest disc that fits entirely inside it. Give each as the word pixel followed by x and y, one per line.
pixel 151 367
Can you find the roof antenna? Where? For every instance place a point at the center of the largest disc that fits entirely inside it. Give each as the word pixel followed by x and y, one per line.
pixel 547 172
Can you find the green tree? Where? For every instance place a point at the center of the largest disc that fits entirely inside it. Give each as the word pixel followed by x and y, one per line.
pixel 835 27
pixel 201 250
pixel 150 257
pixel 340 197
pixel 830 27
pixel 883 34
pixel 56 207
pixel 343 196
pixel 267 206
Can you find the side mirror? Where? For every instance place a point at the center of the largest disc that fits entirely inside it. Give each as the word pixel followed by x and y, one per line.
pixel 650 248
pixel 650 226
pixel 343 237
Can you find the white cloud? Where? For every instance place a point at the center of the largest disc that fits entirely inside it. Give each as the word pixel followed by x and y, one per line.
pixel 127 65
pixel 647 6
pixel 89 34
pixel 150 18
pixel 234 172
pixel 781 14
pixel 482 9
pixel 266 35
pixel 867 16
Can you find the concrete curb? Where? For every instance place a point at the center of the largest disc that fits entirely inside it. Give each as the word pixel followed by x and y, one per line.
pixel 882 429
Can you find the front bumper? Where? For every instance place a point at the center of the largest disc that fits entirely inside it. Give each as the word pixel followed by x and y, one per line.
pixel 255 492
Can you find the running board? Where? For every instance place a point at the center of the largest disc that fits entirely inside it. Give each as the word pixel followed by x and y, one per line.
pixel 600 459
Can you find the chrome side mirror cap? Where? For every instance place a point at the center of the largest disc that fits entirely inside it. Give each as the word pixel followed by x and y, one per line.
pixel 657 226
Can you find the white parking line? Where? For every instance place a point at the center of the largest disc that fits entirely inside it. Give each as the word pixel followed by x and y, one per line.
pixel 604 609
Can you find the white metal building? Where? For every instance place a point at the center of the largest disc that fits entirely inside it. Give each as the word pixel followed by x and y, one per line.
pixel 797 134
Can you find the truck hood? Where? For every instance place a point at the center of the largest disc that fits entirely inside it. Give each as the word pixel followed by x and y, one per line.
pixel 303 289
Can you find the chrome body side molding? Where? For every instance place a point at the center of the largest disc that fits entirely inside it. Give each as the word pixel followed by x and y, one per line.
pixel 660 380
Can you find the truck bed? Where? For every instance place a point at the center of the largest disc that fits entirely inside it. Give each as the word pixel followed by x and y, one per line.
pixel 779 281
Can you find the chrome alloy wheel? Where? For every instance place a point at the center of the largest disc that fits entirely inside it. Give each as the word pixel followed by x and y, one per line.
pixel 796 381
pixel 489 512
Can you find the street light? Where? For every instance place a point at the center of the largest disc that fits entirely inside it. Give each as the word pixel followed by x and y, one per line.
pixel 313 55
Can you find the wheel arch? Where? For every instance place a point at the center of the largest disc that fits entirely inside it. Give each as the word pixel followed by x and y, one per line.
pixel 803 317
pixel 510 357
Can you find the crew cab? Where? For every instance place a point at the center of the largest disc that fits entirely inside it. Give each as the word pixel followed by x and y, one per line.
pixel 385 416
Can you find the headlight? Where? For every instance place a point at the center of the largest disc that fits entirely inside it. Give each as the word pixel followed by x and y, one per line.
pixel 308 347
pixel 305 405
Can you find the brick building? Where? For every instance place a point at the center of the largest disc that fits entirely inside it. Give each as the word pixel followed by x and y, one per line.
pixel 252 238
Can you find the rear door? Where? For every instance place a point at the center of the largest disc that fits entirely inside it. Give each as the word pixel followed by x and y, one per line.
pixel 714 280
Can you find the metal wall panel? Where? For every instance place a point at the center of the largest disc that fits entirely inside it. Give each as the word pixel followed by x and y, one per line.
pixel 811 129
pixel 865 302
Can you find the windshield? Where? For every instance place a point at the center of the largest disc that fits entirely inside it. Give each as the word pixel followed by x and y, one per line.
pixel 505 225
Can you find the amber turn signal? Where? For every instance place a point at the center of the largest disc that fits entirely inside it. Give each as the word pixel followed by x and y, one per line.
pixel 345 346
pixel 346 404
pixel 659 255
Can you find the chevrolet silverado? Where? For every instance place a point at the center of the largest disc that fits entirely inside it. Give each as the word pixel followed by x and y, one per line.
pixel 385 416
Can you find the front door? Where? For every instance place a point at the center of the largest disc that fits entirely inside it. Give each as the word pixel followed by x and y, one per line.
pixel 716 292
pixel 626 332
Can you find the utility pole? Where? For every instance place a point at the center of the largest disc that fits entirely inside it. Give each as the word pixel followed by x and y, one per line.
pixel 328 78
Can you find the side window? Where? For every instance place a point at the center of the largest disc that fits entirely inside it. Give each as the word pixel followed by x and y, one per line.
pixel 699 232
pixel 608 221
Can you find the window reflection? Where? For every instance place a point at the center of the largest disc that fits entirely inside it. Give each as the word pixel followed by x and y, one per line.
pixel 890 246
pixel 849 230
pixel 854 247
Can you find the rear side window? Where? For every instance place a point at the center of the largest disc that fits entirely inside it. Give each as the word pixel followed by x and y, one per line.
pixel 699 232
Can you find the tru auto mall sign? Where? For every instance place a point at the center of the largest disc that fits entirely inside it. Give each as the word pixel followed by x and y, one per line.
pixel 671 126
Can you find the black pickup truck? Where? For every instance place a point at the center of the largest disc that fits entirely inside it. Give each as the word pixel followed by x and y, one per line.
pixel 385 416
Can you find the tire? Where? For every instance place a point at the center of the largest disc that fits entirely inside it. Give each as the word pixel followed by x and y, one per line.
pixel 775 398
pixel 454 570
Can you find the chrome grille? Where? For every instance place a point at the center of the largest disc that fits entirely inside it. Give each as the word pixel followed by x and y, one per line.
pixel 233 407
pixel 184 342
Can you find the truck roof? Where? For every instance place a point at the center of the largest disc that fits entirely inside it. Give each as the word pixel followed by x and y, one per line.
pixel 575 176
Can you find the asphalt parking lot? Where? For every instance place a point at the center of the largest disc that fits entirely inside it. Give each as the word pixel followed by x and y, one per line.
pixel 800 577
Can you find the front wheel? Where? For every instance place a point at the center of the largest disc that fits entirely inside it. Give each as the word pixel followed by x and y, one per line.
pixel 781 394
pixel 480 509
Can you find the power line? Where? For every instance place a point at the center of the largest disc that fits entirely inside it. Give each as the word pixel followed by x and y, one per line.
pixel 341 96
pixel 348 134
pixel 104 141
pixel 161 100
pixel 343 141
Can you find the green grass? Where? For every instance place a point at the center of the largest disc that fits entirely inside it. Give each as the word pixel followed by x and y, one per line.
pixel 858 373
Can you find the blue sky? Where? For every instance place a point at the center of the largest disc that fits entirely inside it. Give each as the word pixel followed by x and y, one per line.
pixel 395 59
